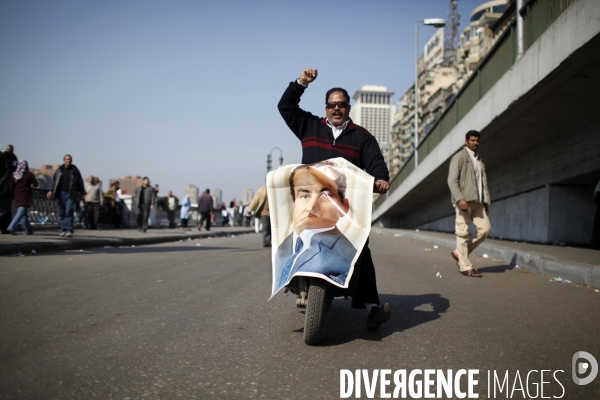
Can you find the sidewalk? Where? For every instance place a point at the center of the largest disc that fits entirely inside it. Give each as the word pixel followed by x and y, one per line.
pixel 48 239
pixel 574 264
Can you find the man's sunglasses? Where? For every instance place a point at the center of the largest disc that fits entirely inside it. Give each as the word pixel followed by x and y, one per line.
pixel 340 104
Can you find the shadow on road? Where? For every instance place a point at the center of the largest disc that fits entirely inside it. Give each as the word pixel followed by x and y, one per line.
pixel 147 250
pixel 496 269
pixel 344 324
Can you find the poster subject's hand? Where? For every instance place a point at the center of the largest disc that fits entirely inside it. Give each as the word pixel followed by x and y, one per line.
pixel 381 186
pixel 307 76
pixel 463 205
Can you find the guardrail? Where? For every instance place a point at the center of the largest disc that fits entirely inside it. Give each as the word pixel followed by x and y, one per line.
pixel 538 16
pixel 43 211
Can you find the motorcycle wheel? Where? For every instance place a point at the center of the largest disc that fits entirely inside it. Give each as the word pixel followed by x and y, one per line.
pixel 315 309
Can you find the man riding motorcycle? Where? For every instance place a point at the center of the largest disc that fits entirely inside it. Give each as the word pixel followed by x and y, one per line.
pixel 337 136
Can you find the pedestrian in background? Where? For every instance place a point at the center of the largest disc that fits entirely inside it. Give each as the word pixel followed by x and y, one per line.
pixel 94 200
pixel 21 182
pixel 259 206
pixel 81 207
pixel 103 209
pixel 224 215
pixel 241 209
pixel 172 202
pixel 470 198
pixel 157 206
pixel 67 188
pixel 236 214
pixel 185 210
pixel 205 209
pixel 8 165
pixel 112 202
pixel 143 203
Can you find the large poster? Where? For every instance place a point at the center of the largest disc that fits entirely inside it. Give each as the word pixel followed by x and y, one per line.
pixel 320 220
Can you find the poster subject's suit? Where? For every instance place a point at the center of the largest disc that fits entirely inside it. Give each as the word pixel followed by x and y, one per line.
pixel 330 253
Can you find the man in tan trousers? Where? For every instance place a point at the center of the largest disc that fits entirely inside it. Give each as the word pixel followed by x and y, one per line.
pixel 470 198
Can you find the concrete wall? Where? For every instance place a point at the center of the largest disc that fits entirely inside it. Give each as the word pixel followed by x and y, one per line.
pixel 555 159
pixel 521 217
pixel 571 210
pixel 445 224
pixel 544 215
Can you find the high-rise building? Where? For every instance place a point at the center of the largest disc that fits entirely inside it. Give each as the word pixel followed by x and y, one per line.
pixel 217 197
pixel 247 195
pixel 439 82
pixel 128 184
pixel 193 192
pixel 373 110
pixel 44 175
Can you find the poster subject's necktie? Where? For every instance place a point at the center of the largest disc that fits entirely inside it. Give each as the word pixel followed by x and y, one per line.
pixel 288 267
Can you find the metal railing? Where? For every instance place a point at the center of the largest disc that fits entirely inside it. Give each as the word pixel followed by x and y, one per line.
pixel 43 211
pixel 538 16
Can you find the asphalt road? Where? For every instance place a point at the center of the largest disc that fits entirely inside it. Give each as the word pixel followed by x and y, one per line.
pixel 191 320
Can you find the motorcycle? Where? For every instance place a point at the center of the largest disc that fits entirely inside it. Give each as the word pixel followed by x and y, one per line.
pixel 315 296
pixel 319 231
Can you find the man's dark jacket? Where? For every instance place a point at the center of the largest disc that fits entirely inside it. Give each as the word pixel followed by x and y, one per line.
pixel 205 203
pixel 76 187
pixel 149 197
pixel 355 143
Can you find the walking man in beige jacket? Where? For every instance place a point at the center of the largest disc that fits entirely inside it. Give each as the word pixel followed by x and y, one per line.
pixel 470 198
pixel 260 206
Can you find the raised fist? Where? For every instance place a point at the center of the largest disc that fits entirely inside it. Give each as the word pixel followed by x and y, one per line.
pixel 307 76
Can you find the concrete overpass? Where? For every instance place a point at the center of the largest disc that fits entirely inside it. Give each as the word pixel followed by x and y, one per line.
pixel 539 115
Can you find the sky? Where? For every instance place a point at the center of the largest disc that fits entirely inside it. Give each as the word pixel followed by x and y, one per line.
pixel 186 92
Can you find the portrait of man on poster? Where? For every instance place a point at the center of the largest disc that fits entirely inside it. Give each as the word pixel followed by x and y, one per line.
pixel 316 245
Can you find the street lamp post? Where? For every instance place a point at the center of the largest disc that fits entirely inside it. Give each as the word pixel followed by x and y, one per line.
pixel 269 158
pixel 438 23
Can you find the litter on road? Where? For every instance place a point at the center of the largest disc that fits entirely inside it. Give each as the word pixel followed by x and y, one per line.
pixel 560 280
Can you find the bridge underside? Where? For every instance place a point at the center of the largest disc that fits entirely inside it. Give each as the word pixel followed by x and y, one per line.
pixel 542 158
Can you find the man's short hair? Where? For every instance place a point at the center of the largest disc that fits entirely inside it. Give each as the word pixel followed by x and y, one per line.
pixel 472 133
pixel 145 178
pixel 116 182
pixel 337 89
pixel 68 155
pixel 340 177
pixel 207 190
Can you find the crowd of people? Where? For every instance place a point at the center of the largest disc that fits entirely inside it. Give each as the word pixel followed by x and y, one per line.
pixel 85 204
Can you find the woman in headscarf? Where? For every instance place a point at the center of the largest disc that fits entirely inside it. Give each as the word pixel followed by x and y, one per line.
pixel 20 186
pixel 185 209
